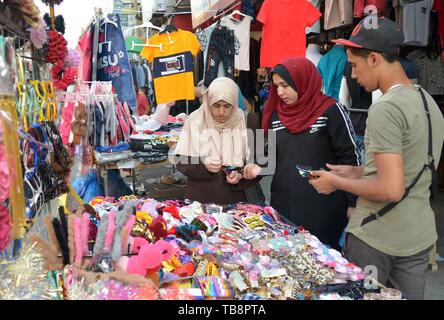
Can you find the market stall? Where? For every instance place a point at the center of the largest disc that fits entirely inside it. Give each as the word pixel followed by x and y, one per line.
pixel 136 248
pixel 71 116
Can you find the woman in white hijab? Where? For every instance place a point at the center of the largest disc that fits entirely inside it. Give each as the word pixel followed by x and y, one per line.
pixel 213 148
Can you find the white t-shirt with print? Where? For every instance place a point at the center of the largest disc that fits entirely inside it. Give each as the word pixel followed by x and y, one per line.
pixel 242 33
pixel 416 19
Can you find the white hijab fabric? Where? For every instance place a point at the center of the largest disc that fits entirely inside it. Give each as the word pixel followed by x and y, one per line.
pixel 203 136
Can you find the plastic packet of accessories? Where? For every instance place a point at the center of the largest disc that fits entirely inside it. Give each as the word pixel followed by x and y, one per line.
pixel 112 157
pixel 214 287
pixel 101 263
pixel 7 66
pixel 212 208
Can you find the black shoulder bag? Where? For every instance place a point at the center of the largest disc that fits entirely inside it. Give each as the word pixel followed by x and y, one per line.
pixel 430 165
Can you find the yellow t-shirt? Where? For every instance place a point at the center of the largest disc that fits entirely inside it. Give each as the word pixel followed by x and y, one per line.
pixel 173 65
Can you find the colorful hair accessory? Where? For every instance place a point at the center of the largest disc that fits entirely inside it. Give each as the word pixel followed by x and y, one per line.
pixel 38 35
pixel 138 243
pixel 4 173
pixel 5 227
pixel 166 248
pixel 186 270
pixel 110 232
pixel 78 241
pixel 150 256
pixel 173 210
pixel 57 48
pixel 62 77
pixel 84 232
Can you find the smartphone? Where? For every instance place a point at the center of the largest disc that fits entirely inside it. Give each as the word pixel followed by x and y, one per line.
pixel 304 171
pixel 228 169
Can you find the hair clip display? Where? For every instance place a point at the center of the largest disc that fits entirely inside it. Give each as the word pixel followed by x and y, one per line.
pixel 240 251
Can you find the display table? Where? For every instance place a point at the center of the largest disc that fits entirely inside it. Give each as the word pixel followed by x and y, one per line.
pixel 126 161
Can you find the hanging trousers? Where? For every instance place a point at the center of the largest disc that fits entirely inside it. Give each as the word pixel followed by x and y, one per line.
pixel 220 49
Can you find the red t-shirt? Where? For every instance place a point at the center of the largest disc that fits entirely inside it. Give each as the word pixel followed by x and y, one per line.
pixel 361 4
pixel 283 34
pixel 142 104
pixel 85 48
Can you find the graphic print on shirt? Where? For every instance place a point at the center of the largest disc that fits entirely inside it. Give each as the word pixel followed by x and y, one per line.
pixel 173 64
pixel 321 122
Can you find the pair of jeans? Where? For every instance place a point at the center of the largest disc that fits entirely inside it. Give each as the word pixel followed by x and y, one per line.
pixel 220 49
pixel 407 274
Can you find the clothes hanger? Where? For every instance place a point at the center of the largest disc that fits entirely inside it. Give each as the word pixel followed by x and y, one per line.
pixel 160 46
pixel 147 24
pixel 169 28
pixel 107 20
pixel 231 15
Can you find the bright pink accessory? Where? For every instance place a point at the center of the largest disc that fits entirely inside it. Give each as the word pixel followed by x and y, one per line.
pixel 5 227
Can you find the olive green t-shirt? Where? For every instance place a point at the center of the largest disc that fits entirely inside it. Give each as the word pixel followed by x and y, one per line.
pixel 397 123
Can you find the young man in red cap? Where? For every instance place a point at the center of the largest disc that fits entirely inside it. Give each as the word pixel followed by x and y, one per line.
pixel 393 225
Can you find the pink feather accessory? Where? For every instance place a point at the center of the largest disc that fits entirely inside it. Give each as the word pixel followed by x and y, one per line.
pixel 84 231
pixel 110 232
pixel 78 241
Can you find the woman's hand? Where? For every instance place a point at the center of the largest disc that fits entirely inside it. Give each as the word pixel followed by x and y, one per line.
pixel 234 177
pixel 323 181
pixel 251 171
pixel 212 164
pixel 345 171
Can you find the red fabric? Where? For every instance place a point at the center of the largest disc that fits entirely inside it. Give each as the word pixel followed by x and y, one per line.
pixel 174 212
pixel 283 34
pixel 142 104
pixel 5 227
pixel 85 49
pixel 438 6
pixel 183 21
pixel 311 103
pixel 361 4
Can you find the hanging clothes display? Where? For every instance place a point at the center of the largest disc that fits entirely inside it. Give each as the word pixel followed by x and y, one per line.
pixel 204 37
pixel 331 66
pixel 313 53
pixel 284 29
pixel 430 73
pixel 316 27
pixel 221 50
pixel 416 21
pixel 242 33
pixel 172 64
pixel 113 63
pixel 438 7
pixel 362 5
pixel 85 48
pixel 338 13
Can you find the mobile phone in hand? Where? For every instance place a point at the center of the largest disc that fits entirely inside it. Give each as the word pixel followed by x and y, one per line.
pixel 228 169
pixel 304 171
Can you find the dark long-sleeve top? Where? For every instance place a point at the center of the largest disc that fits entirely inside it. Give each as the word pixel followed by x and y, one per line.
pixel 330 140
pixel 208 187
